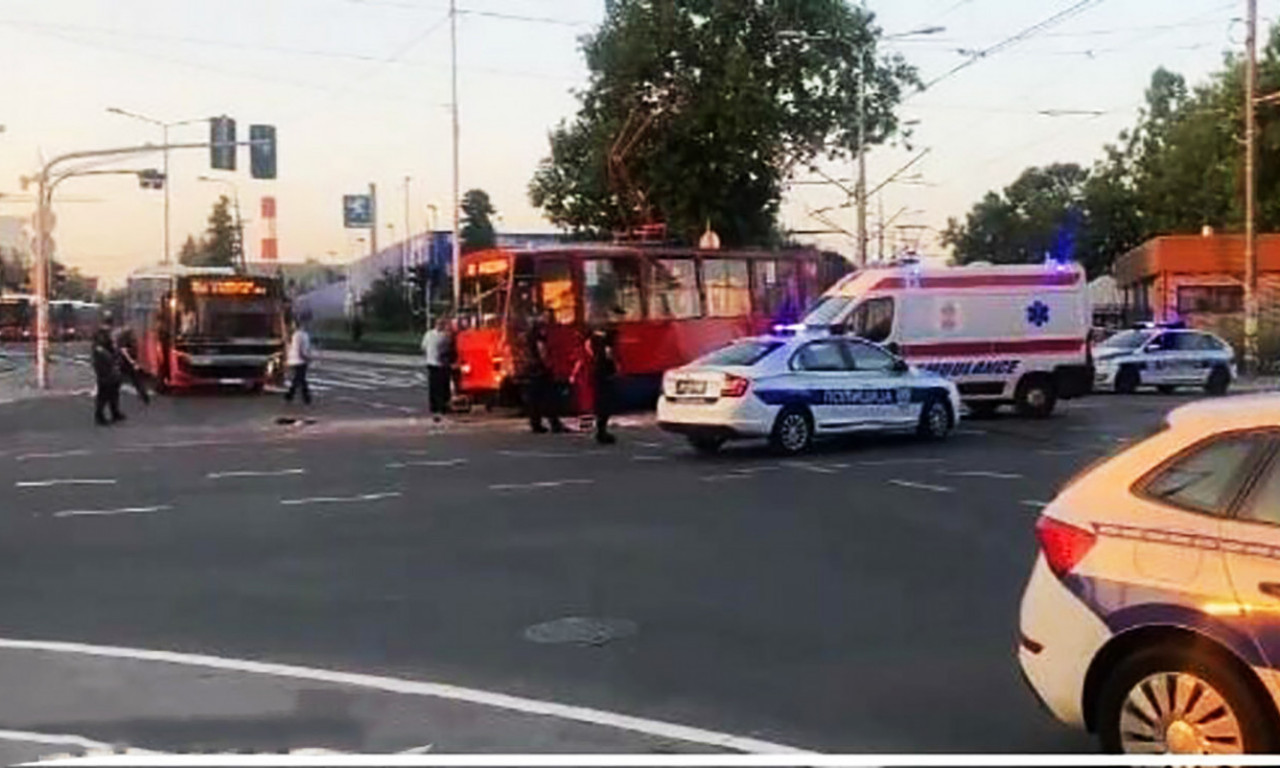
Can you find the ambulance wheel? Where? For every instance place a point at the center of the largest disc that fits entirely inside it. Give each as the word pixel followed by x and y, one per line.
pixel 1138 711
pixel 935 420
pixel 1127 380
pixel 1219 381
pixel 792 431
pixel 707 446
pixel 1035 396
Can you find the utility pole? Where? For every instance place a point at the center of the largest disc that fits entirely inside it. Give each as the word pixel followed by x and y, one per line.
pixel 373 222
pixel 1250 193
pixel 880 229
pixel 861 190
pixel 405 255
pixel 457 244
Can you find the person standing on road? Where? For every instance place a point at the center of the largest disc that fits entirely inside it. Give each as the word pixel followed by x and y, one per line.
pixel 601 365
pixel 540 395
pixel 297 358
pixel 106 372
pixel 127 348
pixel 437 346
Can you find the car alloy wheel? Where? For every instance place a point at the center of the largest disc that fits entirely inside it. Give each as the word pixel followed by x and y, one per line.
pixel 793 432
pixel 1178 713
pixel 935 422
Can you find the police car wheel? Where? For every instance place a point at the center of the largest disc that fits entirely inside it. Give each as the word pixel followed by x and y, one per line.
pixel 935 420
pixel 1176 699
pixel 1127 381
pixel 792 431
pixel 1219 381
pixel 1035 397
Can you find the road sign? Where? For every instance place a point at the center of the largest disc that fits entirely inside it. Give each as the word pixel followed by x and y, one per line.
pixel 357 211
pixel 222 155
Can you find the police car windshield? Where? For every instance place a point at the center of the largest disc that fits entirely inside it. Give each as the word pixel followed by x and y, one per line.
pixel 747 352
pixel 1126 340
pixel 827 310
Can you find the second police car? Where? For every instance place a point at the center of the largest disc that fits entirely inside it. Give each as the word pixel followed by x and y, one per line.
pixel 1165 358
pixel 790 389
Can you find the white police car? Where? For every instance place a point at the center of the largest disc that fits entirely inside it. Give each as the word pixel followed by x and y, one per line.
pixel 1164 358
pixel 1152 615
pixel 790 389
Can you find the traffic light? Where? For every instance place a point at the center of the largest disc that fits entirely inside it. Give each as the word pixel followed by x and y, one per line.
pixel 151 179
pixel 262 151
pixel 222 138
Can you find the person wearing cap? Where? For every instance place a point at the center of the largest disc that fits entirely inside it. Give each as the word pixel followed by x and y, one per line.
pixel 106 372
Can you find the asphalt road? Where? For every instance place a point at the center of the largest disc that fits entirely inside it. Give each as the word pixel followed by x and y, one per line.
pixel 861 599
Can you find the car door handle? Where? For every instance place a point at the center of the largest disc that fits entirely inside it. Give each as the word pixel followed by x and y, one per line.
pixel 1271 588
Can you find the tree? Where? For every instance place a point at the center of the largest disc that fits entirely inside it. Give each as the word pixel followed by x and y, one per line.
pixel 477 228
pixel 386 302
pixel 220 238
pixel 716 107
pixel 192 253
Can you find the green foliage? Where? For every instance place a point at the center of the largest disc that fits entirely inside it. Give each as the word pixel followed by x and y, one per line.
pixel 220 245
pixel 721 105
pixel 14 273
pixel 477 226
pixel 386 304
pixel 1181 167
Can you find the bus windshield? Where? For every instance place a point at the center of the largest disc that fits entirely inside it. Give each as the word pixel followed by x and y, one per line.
pixel 228 309
pixel 484 298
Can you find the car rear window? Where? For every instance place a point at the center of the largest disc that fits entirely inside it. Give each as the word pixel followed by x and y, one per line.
pixel 740 353
pixel 1205 478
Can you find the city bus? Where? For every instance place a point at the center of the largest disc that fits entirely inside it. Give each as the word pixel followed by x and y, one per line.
pixel 17 317
pixel 71 320
pixel 668 304
pixel 206 326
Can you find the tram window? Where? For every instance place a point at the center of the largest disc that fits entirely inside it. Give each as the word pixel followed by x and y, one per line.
pixel 728 287
pixel 555 283
pixel 611 285
pixel 673 289
pixel 776 289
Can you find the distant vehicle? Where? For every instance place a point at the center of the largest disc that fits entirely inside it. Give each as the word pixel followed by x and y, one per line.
pixel 669 305
pixel 71 320
pixel 1151 613
pixel 17 317
pixel 791 389
pixel 1164 359
pixel 1006 334
pixel 206 326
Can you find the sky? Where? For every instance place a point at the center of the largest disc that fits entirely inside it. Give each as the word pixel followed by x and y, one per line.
pixel 359 91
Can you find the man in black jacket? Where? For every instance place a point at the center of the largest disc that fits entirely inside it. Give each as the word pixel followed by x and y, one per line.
pixel 106 370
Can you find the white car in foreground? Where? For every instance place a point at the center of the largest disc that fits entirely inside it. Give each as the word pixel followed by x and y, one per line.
pixel 790 389
pixel 1152 615
pixel 1165 359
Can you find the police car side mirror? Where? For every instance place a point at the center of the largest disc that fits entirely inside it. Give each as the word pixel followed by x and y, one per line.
pixel 899 366
pixel 894 348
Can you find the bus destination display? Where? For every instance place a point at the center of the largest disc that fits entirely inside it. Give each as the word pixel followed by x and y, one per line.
pixel 229 287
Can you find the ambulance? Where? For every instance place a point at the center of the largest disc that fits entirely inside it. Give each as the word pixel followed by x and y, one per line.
pixel 1005 334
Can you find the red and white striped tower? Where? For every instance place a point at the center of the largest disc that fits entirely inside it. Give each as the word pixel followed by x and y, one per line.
pixel 270 246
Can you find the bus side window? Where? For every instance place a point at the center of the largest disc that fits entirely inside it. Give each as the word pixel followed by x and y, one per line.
pixel 555 289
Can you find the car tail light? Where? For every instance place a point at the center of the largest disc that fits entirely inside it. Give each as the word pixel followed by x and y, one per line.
pixel 734 386
pixel 1064 545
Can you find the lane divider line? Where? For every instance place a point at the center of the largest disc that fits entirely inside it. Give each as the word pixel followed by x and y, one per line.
pixel 922 486
pixel 340 499
pixel 255 473
pixel 657 728
pixel 105 512
pixel 982 473
pixel 426 463
pixel 55 455
pixel 64 481
pixel 538 485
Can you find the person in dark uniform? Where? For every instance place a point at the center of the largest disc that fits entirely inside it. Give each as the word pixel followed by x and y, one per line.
pixel 106 371
pixel 127 349
pixel 602 369
pixel 540 391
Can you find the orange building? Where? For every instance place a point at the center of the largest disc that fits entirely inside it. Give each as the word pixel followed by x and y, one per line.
pixel 1199 279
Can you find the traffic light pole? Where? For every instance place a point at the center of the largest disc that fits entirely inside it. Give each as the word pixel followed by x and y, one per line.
pixel 46 180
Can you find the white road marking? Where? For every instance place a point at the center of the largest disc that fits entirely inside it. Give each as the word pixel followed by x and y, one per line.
pixel 56 455
pixel 809 467
pixel 579 714
pixel 982 473
pixel 105 512
pixel 340 499
pixel 65 740
pixel 1034 504
pixel 426 463
pixel 922 486
pixel 344 384
pixel 256 473
pixel 541 484
pixel 892 462
pixel 649 445
pixel 65 481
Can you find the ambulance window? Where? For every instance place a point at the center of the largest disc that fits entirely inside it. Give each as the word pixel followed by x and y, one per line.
pixel 821 356
pixel 873 319
pixel 1206 478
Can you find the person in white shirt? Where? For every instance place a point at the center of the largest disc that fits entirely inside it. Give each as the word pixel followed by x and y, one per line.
pixel 297 357
pixel 437 348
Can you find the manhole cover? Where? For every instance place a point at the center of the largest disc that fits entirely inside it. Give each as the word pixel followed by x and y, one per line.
pixel 580 630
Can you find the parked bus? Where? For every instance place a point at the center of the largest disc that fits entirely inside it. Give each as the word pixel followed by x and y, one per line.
pixel 669 305
pixel 199 326
pixel 71 320
pixel 17 317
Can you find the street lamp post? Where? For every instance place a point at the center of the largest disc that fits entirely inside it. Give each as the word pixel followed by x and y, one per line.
pixel 164 142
